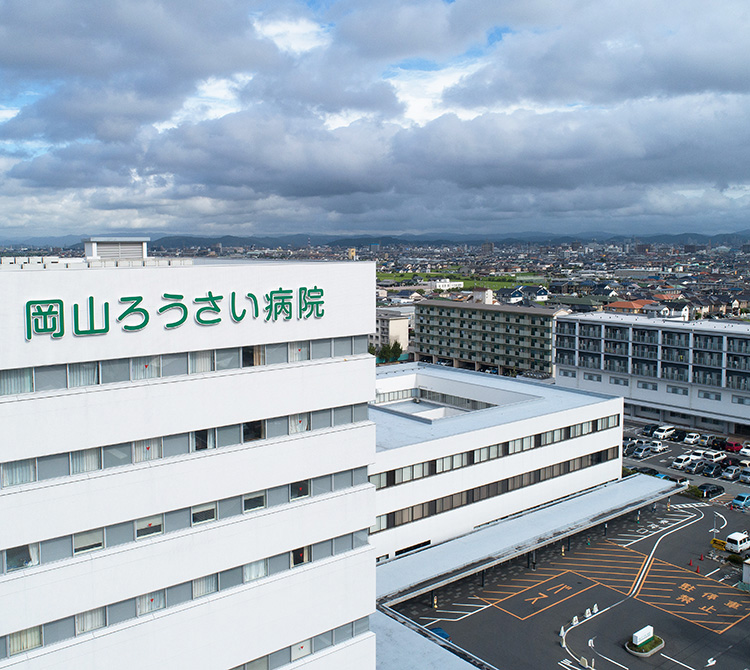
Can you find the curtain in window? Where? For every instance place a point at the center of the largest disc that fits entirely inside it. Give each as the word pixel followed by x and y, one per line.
pixel 22 557
pixel 150 603
pixel 203 439
pixel 145 367
pixel 16 381
pixel 299 423
pixel 86 460
pixel 205 585
pixel 146 450
pixel 83 374
pixel 299 351
pixel 91 620
pixel 253 571
pixel 201 361
pixel 19 472
pixel 24 640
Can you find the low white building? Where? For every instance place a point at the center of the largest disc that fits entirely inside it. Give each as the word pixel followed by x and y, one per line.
pixel 444 284
pixel 183 479
pixel 390 326
pixel 458 449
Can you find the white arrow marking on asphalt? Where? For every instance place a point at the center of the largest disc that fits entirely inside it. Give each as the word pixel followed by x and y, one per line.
pixel 711 661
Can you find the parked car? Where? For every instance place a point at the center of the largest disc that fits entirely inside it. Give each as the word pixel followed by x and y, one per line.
pixel 681 461
pixel 682 481
pixel 646 471
pixel 657 446
pixel 730 460
pixel 718 443
pixel 705 440
pixel 628 448
pixel 732 447
pixel 741 501
pixel 731 473
pixel 713 456
pixel 691 438
pixel 712 470
pixel 695 467
pixel 648 429
pixel 745 451
pixel 641 452
pixel 678 436
pixel 663 432
pixel 738 542
pixel 710 490
pixel 745 475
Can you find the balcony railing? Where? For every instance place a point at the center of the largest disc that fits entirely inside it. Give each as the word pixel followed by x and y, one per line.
pixel 708 360
pixel 738 363
pixel 674 356
pixel 709 343
pixel 645 352
pixel 649 337
pixel 623 335
pixel 706 379
pixel 738 346
pixel 591 363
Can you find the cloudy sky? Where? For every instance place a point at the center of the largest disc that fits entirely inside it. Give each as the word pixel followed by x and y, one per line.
pixel 384 116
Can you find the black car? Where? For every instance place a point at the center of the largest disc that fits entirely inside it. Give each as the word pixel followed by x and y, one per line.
pixel 710 490
pixel 718 443
pixel 649 429
pixel 712 470
pixel 678 435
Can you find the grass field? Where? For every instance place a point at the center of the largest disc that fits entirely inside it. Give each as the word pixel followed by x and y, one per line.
pixel 505 281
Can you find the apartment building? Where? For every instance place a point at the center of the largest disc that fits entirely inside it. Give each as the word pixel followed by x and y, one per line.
pixel 458 449
pixel 490 338
pixel 390 326
pixel 183 479
pixel 694 374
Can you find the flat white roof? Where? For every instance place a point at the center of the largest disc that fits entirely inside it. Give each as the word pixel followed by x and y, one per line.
pixel 718 326
pixel 514 400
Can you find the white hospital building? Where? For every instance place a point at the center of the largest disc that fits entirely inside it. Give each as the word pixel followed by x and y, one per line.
pixel 183 479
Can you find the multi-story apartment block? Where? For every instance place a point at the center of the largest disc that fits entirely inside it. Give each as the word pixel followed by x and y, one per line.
pixel 183 479
pixel 458 449
pixel 390 326
pixel 497 338
pixel 694 373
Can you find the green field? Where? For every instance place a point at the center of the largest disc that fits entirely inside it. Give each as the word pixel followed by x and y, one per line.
pixel 505 281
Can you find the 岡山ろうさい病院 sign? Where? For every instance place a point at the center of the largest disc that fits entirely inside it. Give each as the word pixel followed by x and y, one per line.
pixel 132 314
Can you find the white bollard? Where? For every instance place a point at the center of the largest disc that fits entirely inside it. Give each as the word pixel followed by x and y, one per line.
pixel 562 631
pixel 587 613
pixel 575 620
pixel 584 663
pixel 595 608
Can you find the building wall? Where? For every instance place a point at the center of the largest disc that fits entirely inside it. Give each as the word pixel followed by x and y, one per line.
pixel 234 625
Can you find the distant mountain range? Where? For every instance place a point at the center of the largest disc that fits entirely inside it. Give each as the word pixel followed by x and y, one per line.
pixel 302 240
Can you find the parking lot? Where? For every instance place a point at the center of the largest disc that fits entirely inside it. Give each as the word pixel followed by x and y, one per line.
pixel 653 567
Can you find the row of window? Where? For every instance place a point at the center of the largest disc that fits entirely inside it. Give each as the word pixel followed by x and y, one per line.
pixel 447 503
pixel 649 386
pixel 109 615
pixel 92 373
pixel 29 470
pixel 48 551
pixel 312 645
pixel 433 396
pixel 491 452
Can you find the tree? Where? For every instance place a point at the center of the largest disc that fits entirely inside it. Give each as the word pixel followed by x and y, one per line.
pixel 372 350
pixel 385 352
pixel 396 350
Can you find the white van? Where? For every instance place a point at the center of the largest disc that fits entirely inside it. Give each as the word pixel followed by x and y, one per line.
pixel 680 462
pixel 712 456
pixel 738 542
pixel 663 432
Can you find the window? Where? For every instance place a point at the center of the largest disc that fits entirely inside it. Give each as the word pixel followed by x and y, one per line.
pixel 91 620
pixel 203 513
pixel 253 501
pixel 146 450
pixel 299 423
pixel 299 351
pixel 151 525
pixel 252 356
pixel 145 367
pixel 83 374
pixel 592 377
pixel 677 390
pixel 740 400
pixel 85 461
pixel 19 472
pixel 648 386
pixel 227 359
pixel 379 480
pixel 88 541
pixel 618 381
pixel 16 381
pixel 150 602
pixel 252 430
pixel 22 557
pixel 23 640
pixel 299 489
pixel 567 373
pixel 205 585
pixel 200 361
pixel 709 395
pixel 255 570
pixel 115 371
pixel 203 439
pixel 50 377
pixel 301 649
pixel 300 556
